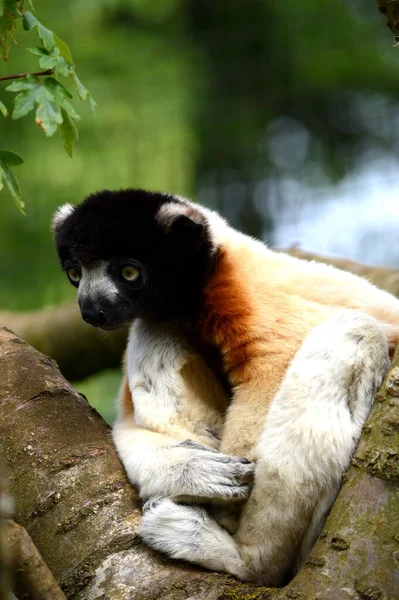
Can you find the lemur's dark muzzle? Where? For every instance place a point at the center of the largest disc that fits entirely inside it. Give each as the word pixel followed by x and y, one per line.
pixel 93 313
pixel 107 315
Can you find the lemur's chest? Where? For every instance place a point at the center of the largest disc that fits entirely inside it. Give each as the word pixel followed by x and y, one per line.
pixel 174 391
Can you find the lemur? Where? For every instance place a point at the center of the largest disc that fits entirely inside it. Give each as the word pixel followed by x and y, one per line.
pixel 248 375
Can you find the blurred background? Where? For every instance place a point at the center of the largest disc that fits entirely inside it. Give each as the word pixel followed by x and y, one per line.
pixel 284 116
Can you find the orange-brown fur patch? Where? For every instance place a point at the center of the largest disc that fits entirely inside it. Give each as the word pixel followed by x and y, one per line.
pixel 125 399
pixel 226 316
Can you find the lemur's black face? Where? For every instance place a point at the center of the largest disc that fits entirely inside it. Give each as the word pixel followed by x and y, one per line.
pixel 133 253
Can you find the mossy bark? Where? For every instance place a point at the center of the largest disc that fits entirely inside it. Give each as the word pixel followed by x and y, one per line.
pixel 32 579
pixel 72 496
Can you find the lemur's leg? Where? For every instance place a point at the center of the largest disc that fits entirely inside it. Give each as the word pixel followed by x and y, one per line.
pixel 312 429
pixel 170 420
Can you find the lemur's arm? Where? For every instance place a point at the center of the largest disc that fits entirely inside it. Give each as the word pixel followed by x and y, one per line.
pixel 170 421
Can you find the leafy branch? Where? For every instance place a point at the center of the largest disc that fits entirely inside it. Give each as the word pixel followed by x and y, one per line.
pixel 41 92
pixel 20 75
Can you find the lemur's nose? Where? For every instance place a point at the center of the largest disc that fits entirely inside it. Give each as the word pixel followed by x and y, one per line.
pixel 93 313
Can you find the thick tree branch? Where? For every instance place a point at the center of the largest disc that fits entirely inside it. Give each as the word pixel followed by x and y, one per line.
pixel 5 563
pixel 32 577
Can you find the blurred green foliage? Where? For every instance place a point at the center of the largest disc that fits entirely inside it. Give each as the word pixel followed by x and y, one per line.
pixel 189 93
pixel 101 390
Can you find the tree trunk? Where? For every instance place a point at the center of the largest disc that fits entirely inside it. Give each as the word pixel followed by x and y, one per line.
pixel 80 350
pixel 72 496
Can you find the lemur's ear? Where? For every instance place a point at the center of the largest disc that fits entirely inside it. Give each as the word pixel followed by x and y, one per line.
pixel 184 225
pixel 181 218
pixel 60 215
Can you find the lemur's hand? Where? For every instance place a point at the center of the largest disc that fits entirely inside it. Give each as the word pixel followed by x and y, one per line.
pixel 209 474
pixel 190 471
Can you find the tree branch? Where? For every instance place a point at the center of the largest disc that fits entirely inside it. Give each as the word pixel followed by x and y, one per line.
pixel 21 75
pixel 33 579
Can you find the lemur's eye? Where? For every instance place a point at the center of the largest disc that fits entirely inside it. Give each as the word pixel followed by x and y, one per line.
pixel 130 273
pixel 73 275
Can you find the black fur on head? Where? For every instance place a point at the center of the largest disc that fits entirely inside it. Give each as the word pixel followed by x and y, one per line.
pixel 120 225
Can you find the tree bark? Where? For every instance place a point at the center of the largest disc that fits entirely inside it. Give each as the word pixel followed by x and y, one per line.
pixel 72 496
pixel 32 577
pixel 81 350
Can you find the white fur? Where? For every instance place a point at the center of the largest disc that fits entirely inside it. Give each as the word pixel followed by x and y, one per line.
pixel 96 282
pixel 157 462
pixel 61 214
pixel 311 432
pixel 218 228
pixel 155 355
pixel 189 533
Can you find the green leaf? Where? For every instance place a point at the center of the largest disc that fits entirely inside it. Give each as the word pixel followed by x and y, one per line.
pixel 48 114
pixel 12 184
pixel 64 50
pixel 52 60
pixel 46 35
pixel 34 91
pixel 23 104
pixel 3 108
pixel 57 89
pixel 11 158
pixel 69 132
pixel 38 51
pixel 25 83
pixel 82 91
pixel 61 95
pixel 1 10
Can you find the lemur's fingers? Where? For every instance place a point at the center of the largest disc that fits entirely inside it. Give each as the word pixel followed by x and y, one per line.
pixel 189 471
pixel 213 475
